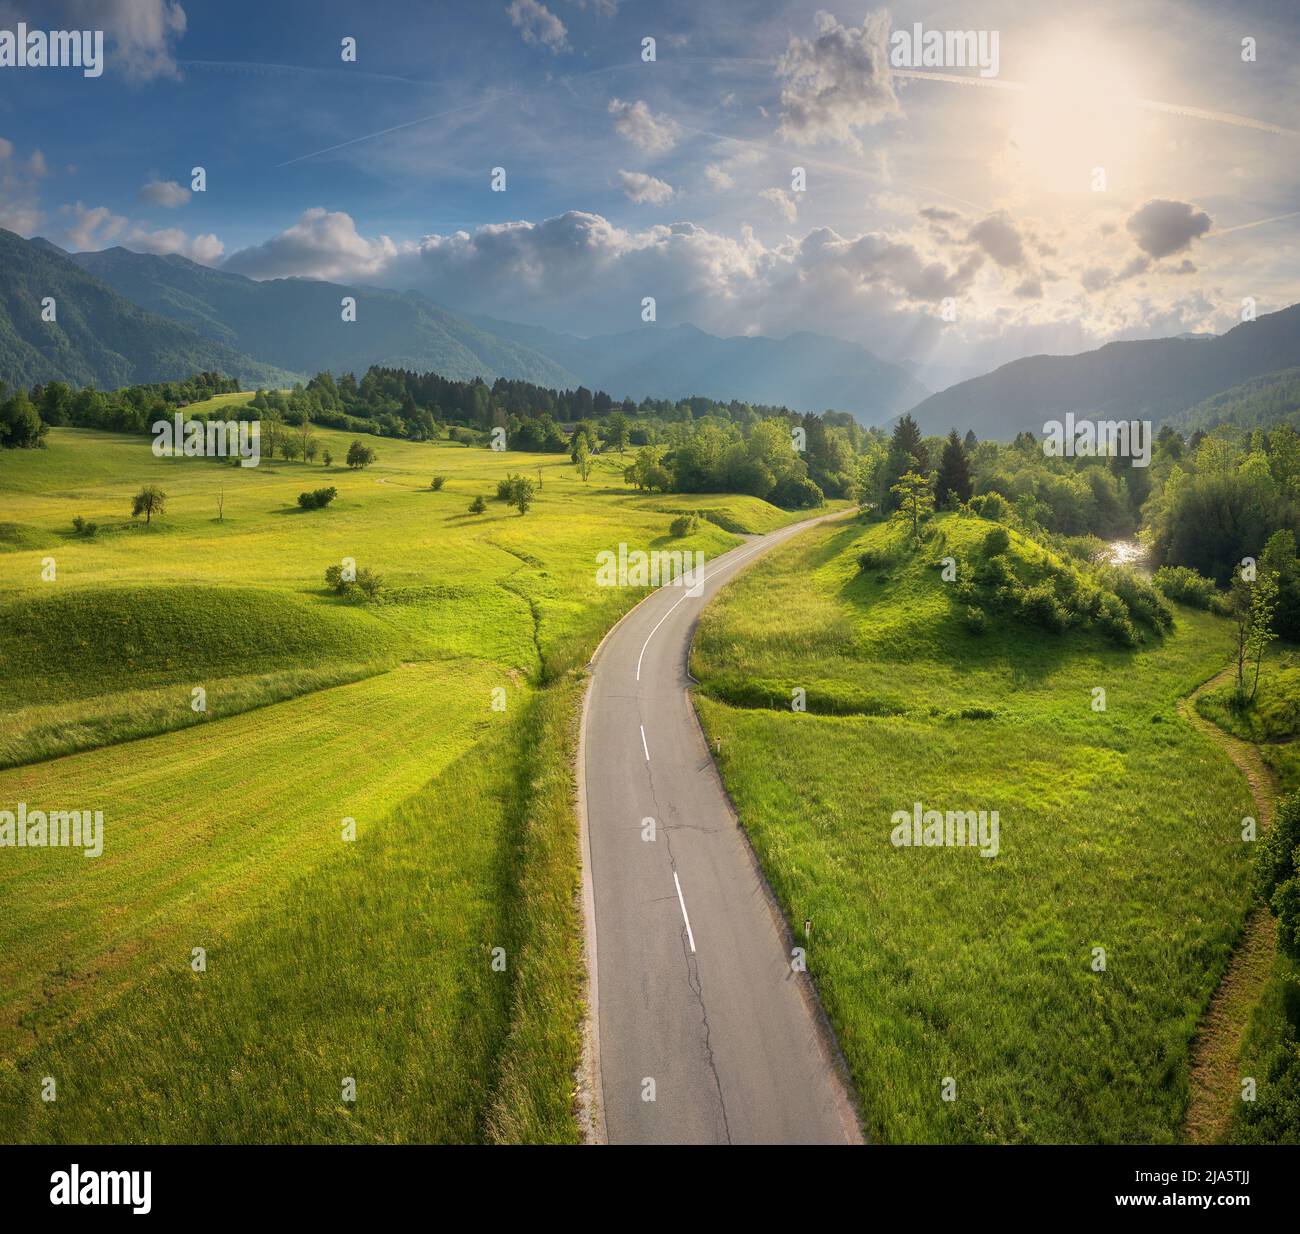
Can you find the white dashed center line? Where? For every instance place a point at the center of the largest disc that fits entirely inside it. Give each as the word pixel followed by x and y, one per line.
pixel 689 936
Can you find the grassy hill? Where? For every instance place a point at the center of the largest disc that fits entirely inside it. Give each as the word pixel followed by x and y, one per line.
pixel 326 958
pixel 1119 829
pixel 99 337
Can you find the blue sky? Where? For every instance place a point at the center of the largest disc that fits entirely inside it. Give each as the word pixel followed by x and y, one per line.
pixel 946 217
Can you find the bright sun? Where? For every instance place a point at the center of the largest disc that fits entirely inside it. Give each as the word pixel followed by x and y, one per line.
pixel 1075 114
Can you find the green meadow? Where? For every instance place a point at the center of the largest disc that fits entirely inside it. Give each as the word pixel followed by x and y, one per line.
pixel 945 972
pixel 367 828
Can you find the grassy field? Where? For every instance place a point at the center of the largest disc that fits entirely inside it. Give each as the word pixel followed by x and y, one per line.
pixel 1119 829
pixel 1273 723
pixel 327 958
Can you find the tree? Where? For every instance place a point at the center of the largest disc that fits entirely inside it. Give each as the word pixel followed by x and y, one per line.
pixel 1277 872
pixel 953 484
pixel 306 438
pixel 616 431
pixel 582 456
pixel 149 501
pixel 21 426
pixel 907 437
pixel 1252 605
pixel 521 493
pixel 478 505
pixel 272 431
pixel 360 455
pixel 327 459
pixel 915 500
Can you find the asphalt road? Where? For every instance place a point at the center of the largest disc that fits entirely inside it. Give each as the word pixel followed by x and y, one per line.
pixel 693 982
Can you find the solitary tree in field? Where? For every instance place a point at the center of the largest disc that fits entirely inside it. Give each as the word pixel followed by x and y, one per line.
pixel 149 501
pixel 360 455
pixel 582 456
pixel 520 493
pixel 915 500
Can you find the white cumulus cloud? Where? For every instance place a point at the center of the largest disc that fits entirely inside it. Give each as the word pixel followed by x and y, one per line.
pixel 648 132
pixel 642 188
pixel 838 82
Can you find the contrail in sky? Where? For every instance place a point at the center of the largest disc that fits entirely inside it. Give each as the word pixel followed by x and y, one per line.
pixel 1172 109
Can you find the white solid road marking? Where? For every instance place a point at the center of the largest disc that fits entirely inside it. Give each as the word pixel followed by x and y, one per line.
pixel 669 613
pixel 689 936
pixel 645 747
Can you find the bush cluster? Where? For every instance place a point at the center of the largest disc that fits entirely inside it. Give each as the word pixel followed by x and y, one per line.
pixel 1062 596
pixel 318 498
pixel 367 584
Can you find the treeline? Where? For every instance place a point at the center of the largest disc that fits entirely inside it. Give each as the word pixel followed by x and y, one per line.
pixel 26 416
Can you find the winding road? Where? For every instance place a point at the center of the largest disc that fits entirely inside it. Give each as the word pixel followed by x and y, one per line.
pixel 703 1031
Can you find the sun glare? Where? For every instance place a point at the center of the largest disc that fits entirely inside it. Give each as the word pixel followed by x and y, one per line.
pixel 1076 113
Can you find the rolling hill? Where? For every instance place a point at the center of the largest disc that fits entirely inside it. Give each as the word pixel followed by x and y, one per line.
pixel 1153 379
pixel 99 337
pixel 297 323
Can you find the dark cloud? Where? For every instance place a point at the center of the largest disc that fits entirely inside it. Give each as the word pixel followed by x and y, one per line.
pixel 1163 227
pixel 999 237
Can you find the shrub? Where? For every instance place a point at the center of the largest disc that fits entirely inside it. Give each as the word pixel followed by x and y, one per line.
pixel 974 619
pixel 366 583
pixel 1139 597
pixel 437 482
pixel 1113 619
pixel 318 498
pixel 335 581
pixel 997 542
pixel 875 559
pixel 1186 586
pixel 992 506
pixel 1040 605
pixel 797 493
pixel 683 525
pixel 83 528
pixel 478 505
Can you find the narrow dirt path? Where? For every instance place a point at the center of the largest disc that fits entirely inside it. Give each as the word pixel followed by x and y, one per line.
pixel 1214 1079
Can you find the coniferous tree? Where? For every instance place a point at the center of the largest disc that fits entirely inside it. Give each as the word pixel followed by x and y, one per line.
pixel 953 485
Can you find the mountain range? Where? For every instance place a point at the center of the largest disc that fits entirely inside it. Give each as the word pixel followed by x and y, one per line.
pixel 803 371
pixel 126 317
pixel 282 329
pixel 1153 379
pixel 98 336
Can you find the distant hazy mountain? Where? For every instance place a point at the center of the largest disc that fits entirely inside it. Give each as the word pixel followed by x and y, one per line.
pixel 1261 402
pixel 98 337
pixel 805 371
pixel 1153 379
pixel 940 376
pixel 298 324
